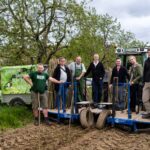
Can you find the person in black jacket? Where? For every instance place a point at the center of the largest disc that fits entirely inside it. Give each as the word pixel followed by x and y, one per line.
pixel 146 89
pixel 121 73
pixel 97 70
pixel 62 73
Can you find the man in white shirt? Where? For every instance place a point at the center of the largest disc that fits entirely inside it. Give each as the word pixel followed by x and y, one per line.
pixel 78 70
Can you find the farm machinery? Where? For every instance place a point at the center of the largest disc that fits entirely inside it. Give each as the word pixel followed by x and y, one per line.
pixel 104 114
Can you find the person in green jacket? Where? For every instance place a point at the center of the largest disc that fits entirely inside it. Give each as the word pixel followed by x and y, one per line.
pixel 136 73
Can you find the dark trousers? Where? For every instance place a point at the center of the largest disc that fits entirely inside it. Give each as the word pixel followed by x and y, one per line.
pixel 136 96
pixel 96 90
pixel 120 97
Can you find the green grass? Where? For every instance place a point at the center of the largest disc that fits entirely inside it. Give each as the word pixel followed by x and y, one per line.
pixel 14 117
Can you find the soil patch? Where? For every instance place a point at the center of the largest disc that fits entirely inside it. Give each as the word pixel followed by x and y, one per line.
pixel 62 137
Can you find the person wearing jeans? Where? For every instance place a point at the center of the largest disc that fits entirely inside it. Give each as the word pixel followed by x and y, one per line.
pixel 62 73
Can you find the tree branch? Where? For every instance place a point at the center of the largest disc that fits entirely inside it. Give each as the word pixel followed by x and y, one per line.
pixel 11 11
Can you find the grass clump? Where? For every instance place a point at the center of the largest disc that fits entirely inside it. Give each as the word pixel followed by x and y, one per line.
pixel 14 117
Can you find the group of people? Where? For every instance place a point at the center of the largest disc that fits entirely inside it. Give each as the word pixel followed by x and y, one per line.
pixel 76 71
pixel 133 76
pixel 66 74
pixel 139 80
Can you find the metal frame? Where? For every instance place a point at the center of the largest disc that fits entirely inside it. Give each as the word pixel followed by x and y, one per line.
pixel 127 121
pixel 113 120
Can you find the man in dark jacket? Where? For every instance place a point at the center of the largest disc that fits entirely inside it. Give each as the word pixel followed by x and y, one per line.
pixel 146 89
pixel 97 70
pixel 121 73
pixel 62 73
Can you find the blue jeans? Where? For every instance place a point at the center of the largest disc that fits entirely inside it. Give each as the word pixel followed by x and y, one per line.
pixel 97 90
pixel 62 94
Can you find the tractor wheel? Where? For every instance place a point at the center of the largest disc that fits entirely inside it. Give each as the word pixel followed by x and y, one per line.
pixel 101 121
pixel 86 118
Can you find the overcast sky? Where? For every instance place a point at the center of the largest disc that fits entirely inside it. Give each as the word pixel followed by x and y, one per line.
pixel 134 15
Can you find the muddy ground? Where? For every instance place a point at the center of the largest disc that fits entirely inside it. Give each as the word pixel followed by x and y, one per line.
pixel 61 137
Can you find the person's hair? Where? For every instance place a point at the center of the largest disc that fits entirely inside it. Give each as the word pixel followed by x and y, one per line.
pixel 148 50
pixel 132 57
pixel 96 54
pixel 40 64
pixel 118 58
pixel 78 56
pixel 60 58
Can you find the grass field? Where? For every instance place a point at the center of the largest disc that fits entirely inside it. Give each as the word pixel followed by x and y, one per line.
pixel 14 117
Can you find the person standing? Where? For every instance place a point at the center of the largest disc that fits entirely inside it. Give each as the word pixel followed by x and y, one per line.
pixel 135 82
pixel 121 73
pixel 97 70
pixel 146 89
pixel 62 73
pixel 38 80
pixel 78 70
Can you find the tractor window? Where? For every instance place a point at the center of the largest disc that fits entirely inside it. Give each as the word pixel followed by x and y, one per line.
pixel 139 59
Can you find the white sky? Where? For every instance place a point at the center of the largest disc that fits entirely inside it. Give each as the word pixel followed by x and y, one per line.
pixel 134 15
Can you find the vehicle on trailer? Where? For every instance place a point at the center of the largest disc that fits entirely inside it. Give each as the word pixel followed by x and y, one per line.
pixel 14 90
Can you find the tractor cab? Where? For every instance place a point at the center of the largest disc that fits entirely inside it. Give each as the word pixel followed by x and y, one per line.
pixel 139 53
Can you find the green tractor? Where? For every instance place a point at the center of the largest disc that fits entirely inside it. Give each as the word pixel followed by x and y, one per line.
pixel 139 53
